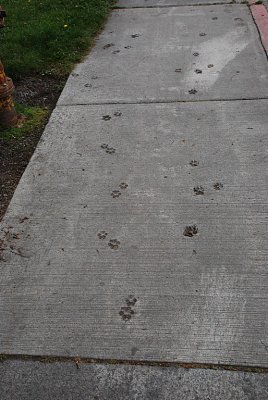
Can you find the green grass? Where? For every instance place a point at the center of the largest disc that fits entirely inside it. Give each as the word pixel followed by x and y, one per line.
pixel 48 36
pixel 35 119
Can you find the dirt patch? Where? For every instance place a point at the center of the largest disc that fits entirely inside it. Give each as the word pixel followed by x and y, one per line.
pixel 42 91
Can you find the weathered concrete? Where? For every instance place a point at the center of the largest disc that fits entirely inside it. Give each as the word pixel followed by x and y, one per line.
pixel 166 3
pixel 168 39
pixel 65 291
pixel 33 380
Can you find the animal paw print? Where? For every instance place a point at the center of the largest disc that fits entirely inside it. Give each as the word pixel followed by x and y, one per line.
pixel 104 146
pixel 135 35
pixel 106 117
pixel 102 235
pixel 131 301
pixel 110 150
pixel 198 71
pixel 116 51
pixel 123 185
pixel 114 244
pixel 218 186
pixel 202 34
pixel 108 45
pixel 199 190
pixel 192 91
pixel 194 163
pixel 115 194
pixel 126 313
pixel 117 114
pixel 128 47
pixel 178 70
pixel 196 54
pixel 190 231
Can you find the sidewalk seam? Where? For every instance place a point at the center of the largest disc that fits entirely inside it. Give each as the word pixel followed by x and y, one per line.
pixel 153 363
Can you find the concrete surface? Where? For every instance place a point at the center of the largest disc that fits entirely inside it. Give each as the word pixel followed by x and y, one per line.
pixel 37 381
pixel 166 3
pixel 169 37
pixel 65 291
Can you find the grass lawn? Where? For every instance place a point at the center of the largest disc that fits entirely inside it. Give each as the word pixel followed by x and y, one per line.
pixel 48 36
pixel 39 46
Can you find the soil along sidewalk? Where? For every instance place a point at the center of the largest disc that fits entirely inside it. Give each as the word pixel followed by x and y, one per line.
pixel 138 229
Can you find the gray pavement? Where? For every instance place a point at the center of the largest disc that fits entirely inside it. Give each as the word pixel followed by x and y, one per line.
pixel 39 381
pixel 138 230
pixel 167 3
pixel 164 61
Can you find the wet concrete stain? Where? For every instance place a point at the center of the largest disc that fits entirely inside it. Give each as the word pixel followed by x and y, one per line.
pixel 194 163
pixel 190 231
pixel 114 244
pixel 199 190
pixel 218 186
pixel 116 194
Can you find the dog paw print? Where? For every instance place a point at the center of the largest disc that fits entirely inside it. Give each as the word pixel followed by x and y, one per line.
pixel 218 186
pixel 202 34
pixel 199 190
pixel 178 70
pixel 192 91
pixel 106 117
pixel 114 244
pixel 123 185
pixel 102 235
pixel 117 114
pixel 128 47
pixel 194 163
pixel 198 71
pixel 190 230
pixel 131 301
pixel 115 194
pixel 210 65
pixel 108 45
pixel 126 313
pixel 196 54
pixel 116 51
pixel 135 35
pixel 104 146
pixel 110 150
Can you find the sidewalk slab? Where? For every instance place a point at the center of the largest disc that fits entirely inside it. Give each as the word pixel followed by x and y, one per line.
pixel 160 65
pixel 166 3
pixel 33 380
pixel 95 261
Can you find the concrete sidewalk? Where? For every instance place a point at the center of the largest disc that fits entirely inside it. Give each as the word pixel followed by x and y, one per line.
pixel 138 232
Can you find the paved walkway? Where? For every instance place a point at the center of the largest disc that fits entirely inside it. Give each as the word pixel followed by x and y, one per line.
pixel 138 232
